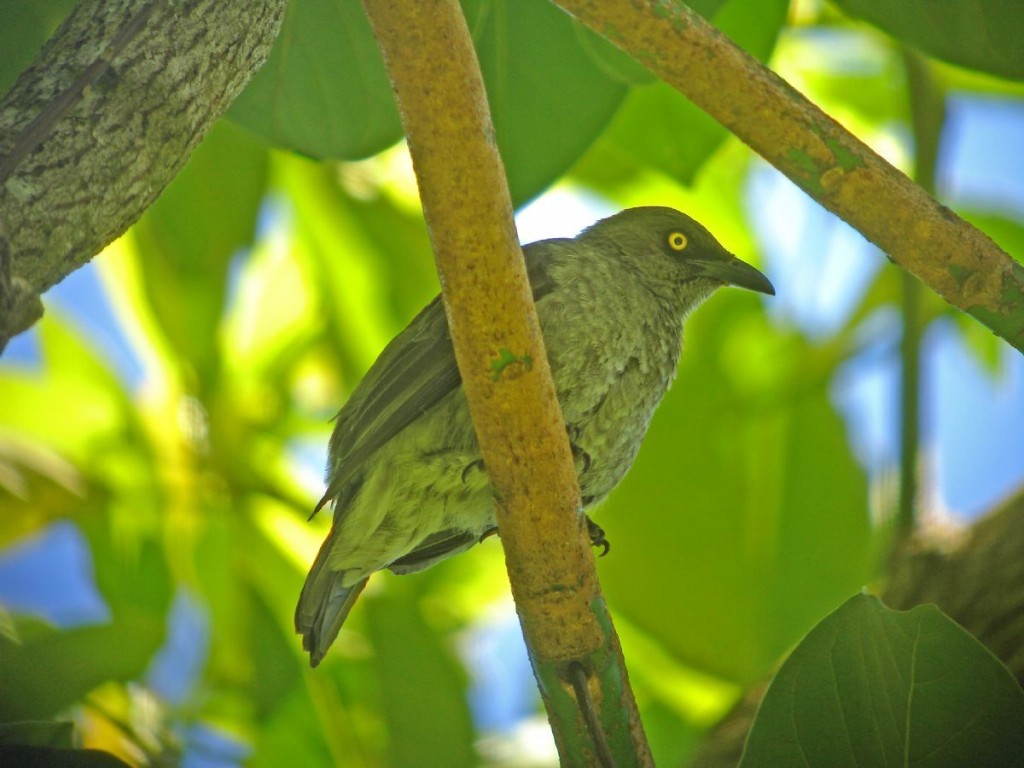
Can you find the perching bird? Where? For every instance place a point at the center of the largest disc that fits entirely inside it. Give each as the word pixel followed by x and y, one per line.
pixel 404 469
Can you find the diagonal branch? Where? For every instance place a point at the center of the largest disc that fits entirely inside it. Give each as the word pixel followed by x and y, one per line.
pixel 947 254
pixel 441 99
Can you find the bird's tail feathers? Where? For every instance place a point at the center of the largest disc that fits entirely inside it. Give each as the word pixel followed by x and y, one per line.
pixel 323 607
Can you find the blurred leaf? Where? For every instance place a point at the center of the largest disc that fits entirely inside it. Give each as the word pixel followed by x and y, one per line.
pixel 427 716
pixel 37 486
pixel 73 662
pixel 24 26
pixel 79 409
pixel 8 631
pixel 858 78
pixel 872 686
pixel 323 92
pixel 362 286
pixel 295 735
pixel 660 128
pixel 980 34
pixel 130 567
pixel 189 236
pixel 743 520
pixel 273 656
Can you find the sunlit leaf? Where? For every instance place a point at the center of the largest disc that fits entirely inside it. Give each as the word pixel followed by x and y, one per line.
pixel 37 485
pixel 188 237
pixel 77 401
pixel 872 686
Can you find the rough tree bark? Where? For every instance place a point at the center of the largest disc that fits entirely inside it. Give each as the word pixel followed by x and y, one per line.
pixel 103 119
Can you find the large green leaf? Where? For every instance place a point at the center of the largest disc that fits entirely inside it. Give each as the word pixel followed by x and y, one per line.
pixel 323 92
pixel 549 97
pixel 423 685
pixel 980 34
pixel 874 687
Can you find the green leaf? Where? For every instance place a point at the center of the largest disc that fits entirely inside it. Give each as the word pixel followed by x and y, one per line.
pixel 324 91
pixel 72 662
pixel 549 97
pixel 427 715
pixel 874 687
pixel 131 568
pixel 980 34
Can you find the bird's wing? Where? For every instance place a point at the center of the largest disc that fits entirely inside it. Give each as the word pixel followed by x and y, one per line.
pixel 412 375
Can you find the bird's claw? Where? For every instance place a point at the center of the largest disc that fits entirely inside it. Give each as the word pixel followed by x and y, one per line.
pixel 473 465
pixel 578 454
pixel 597 538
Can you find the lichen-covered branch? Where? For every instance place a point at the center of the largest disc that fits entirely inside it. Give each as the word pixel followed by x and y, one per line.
pixel 104 118
pixel 947 254
pixel 500 352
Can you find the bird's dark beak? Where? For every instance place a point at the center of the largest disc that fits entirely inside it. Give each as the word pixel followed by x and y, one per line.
pixel 731 270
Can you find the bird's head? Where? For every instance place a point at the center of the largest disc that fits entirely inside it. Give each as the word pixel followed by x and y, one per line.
pixel 673 255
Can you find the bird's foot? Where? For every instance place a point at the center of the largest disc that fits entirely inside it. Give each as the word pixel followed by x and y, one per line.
pixel 597 538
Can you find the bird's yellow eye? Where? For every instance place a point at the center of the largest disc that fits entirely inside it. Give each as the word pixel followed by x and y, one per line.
pixel 677 241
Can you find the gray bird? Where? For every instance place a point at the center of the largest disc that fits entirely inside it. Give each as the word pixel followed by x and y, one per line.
pixel 404 469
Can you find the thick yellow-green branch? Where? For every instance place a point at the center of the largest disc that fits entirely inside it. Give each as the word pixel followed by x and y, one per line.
pixel 947 254
pixel 501 357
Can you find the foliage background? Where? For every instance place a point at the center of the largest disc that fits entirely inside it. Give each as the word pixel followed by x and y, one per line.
pixel 162 429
